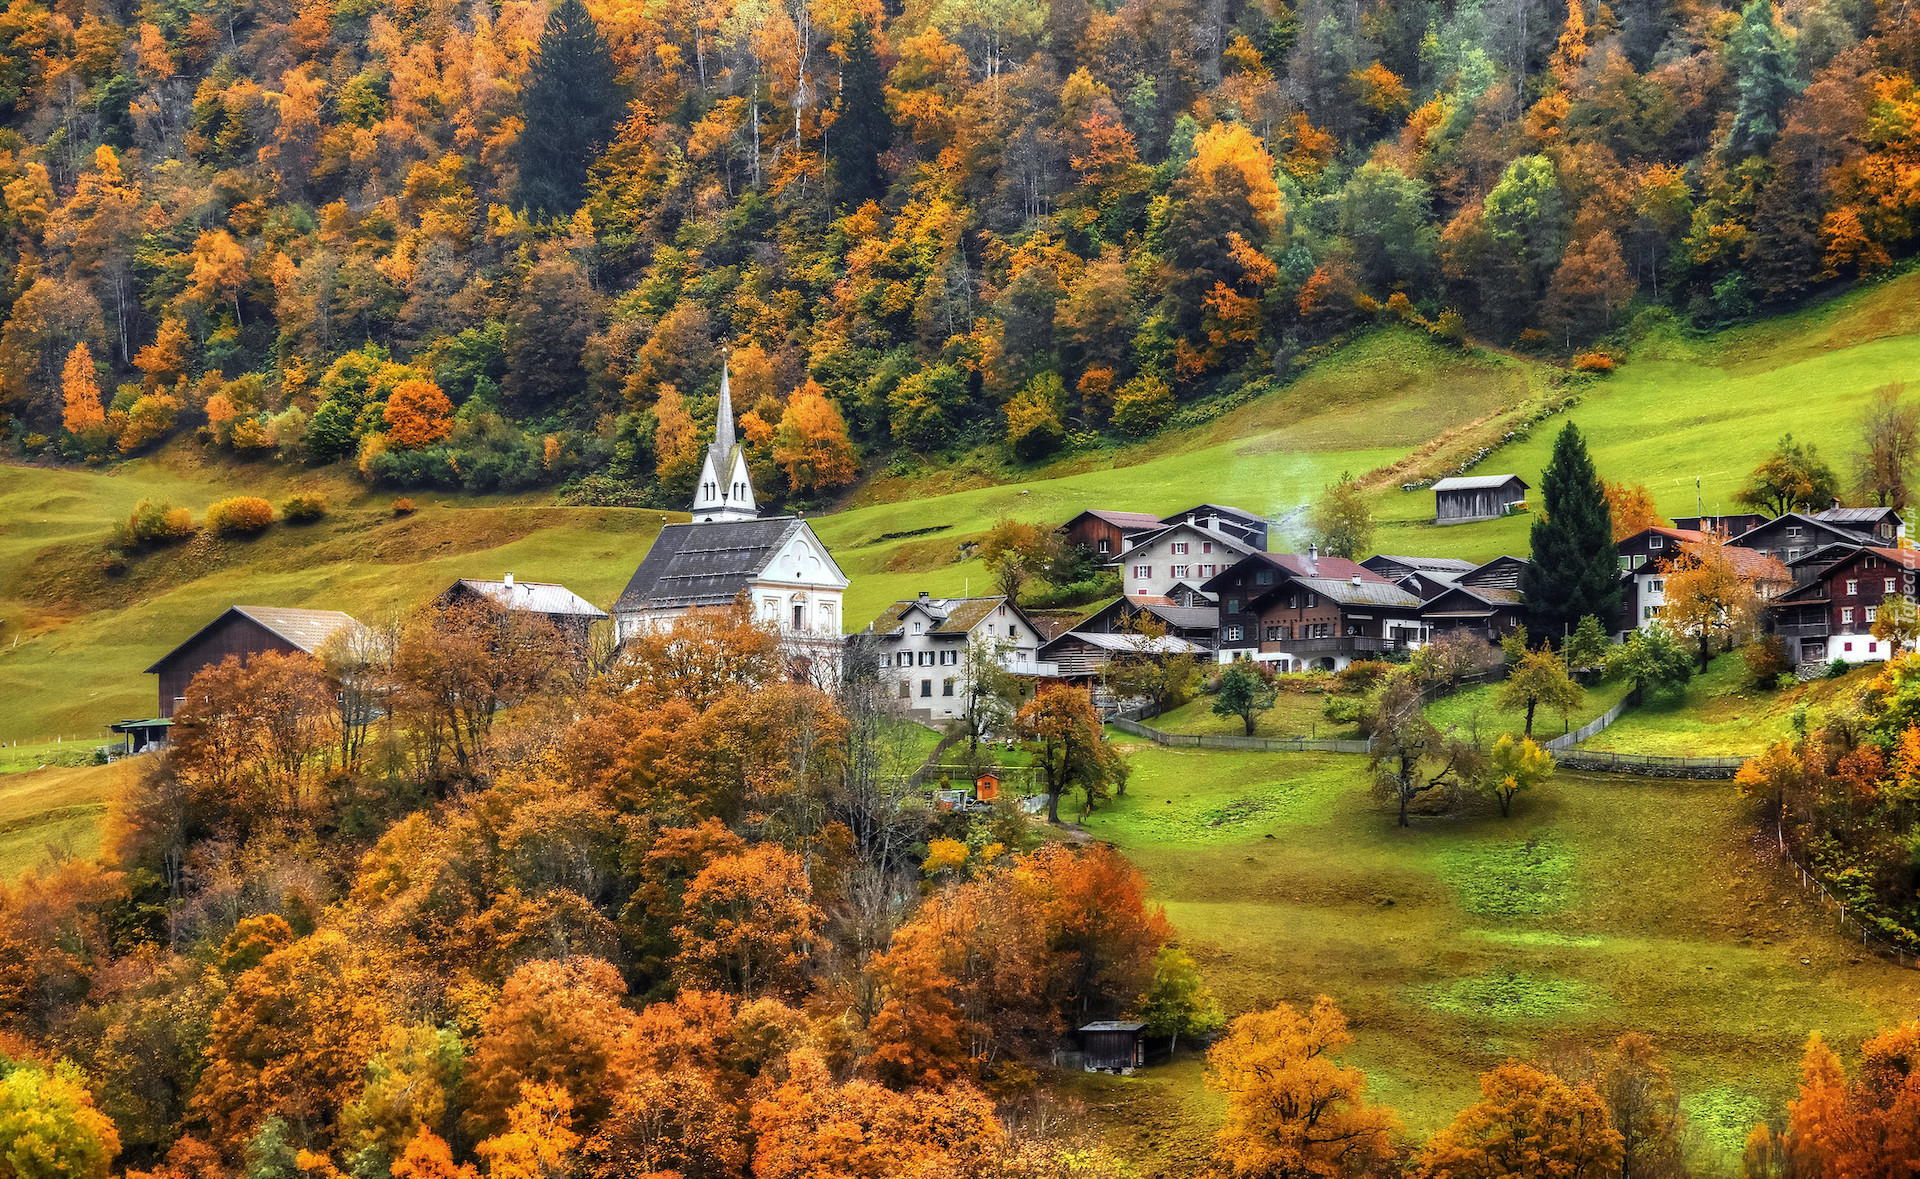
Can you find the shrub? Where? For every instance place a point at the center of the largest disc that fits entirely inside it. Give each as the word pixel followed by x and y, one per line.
pixel 1143 405
pixel 34 443
pixel 1593 362
pixel 157 523
pixel 1767 661
pixel 1361 675
pixel 303 509
pixel 239 515
pixel 1836 669
pixel 149 419
pixel 403 506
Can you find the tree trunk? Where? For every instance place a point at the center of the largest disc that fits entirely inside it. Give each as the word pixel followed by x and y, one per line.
pixel 1706 650
pixel 1531 705
pixel 1053 806
pixel 1248 718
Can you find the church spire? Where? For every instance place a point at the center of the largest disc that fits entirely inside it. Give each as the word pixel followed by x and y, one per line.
pixel 723 429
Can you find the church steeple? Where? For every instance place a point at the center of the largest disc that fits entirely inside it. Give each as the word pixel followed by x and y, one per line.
pixel 725 491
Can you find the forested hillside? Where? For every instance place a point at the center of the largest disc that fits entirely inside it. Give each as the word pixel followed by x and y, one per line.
pixel 497 245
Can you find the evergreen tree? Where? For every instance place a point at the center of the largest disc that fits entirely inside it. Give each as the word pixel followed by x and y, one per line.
pixel 862 129
pixel 1761 60
pixel 1575 569
pixel 571 105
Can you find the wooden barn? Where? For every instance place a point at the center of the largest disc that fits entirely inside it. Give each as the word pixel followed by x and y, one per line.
pixel 1113 1046
pixel 244 631
pixel 1476 497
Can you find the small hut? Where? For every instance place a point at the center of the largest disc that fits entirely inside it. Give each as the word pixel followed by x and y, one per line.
pixel 1476 497
pixel 1113 1046
pixel 986 787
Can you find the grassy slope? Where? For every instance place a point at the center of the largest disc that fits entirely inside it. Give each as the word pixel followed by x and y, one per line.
pixel 1718 715
pixel 55 809
pixel 1294 714
pixel 1640 905
pixel 1475 708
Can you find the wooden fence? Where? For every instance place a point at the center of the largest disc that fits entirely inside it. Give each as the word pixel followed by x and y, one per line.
pixel 1253 744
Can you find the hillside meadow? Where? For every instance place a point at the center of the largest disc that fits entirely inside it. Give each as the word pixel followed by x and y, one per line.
pixel 1604 905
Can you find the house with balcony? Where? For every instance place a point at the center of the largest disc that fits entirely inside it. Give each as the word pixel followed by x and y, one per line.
pixel 1792 536
pixel 925 643
pixel 1646 558
pixel 1831 615
pixel 1299 611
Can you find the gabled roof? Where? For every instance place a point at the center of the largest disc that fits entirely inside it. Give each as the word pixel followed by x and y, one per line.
pixel 1125 521
pixel 1222 509
pixel 1231 541
pixel 1335 578
pixel 537 597
pixel 305 629
pixel 1467 602
pixel 1499 573
pixel 1162 607
pixel 1360 591
pixel 1128 644
pixel 1478 482
pixel 946 616
pixel 1683 535
pixel 1848 516
pixel 1423 564
pixel 1754 565
pixel 1295 565
pixel 705 564
pixel 1758 530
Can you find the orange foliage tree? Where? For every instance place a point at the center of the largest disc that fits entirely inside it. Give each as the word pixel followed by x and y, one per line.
pixel 83 417
pixel 1527 1122
pixel 811 443
pixel 418 414
pixel 1632 507
pixel 749 922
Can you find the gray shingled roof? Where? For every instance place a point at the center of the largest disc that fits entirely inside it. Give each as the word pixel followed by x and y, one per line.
pixel 1428 564
pixel 950 616
pixel 705 564
pixel 305 629
pixel 538 597
pixel 1476 482
pixel 1845 516
pixel 1130 644
pixel 1360 591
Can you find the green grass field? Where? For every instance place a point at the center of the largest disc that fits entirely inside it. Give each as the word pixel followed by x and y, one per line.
pixel 1475 710
pixel 1604 905
pixel 1718 715
pixel 1294 714
pixel 56 810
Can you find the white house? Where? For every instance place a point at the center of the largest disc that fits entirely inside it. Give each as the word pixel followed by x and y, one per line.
pixel 783 570
pixel 1175 561
pixel 924 645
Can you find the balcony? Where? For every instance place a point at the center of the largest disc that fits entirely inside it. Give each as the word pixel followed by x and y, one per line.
pixel 1340 645
pixel 1803 630
pixel 1032 667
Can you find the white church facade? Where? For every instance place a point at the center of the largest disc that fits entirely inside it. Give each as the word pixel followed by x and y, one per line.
pixel 728 550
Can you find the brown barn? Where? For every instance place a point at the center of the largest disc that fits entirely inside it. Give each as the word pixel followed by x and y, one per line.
pixel 1476 497
pixel 1108 534
pixel 244 631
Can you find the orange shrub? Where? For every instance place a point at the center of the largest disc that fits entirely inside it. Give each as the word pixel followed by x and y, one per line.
pixel 1593 362
pixel 239 515
pixel 403 506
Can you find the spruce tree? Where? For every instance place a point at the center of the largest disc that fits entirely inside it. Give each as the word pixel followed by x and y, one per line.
pixel 862 129
pixel 571 105
pixel 1761 60
pixel 1575 569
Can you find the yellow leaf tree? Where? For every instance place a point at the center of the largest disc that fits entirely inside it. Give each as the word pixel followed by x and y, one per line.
pixel 83 416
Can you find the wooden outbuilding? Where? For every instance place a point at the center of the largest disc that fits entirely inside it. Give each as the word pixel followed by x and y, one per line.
pixel 986 787
pixel 1467 498
pixel 1113 1046
pixel 244 631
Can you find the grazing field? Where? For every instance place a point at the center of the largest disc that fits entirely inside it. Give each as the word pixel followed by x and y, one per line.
pixel 1604 905
pixel 54 810
pixel 1294 714
pixel 1717 714
pixel 1475 711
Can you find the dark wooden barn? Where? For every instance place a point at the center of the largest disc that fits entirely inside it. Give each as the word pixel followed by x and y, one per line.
pixel 1476 497
pixel 1113 1046
pixel 244 631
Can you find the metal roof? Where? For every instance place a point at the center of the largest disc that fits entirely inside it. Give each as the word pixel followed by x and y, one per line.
pixel 1425 564
pixel 305 629
pixel 1850 515
pixel 1360 591
pixel 1113 1025
pixel 1143 521
pixel 707 564
pixel 538 597
pixel 1477 482
pixel 1132 644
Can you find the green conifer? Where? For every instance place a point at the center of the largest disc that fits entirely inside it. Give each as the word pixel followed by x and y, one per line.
pixel 571 105
pixel 1575 569
pixel 862 129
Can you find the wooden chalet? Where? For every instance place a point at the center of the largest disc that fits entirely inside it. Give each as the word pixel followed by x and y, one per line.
pixel 1423 577
pixel 1247 527
pixel 242 631
pixel 1792 536
pixel 1830 616
pixel 1647 557
pixel 1108 534
pixel 1298 611
pixel 1727 526
pixel 1466 498
pixel 1485 601
pixel 1199 623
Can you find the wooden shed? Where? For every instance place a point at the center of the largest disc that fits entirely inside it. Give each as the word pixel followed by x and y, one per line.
pixel 986 787
pixel 242 631
pixel 1113 1046
pixel 1476 497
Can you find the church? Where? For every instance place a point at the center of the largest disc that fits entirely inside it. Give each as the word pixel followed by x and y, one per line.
pixel 727 550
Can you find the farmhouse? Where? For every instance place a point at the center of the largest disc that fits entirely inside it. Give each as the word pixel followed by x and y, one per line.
pixel 243 631
pixel 1424 577
pixel 925 643
pixel 1178 561
pixel 1245 526
pixel 1466 498
pixel 1108 534
pixel 1485 601
pixel 1647 557
pixel 777 566
pixel 1792 536
pixel 568 612
pixel 1831 615
pixel 1311 611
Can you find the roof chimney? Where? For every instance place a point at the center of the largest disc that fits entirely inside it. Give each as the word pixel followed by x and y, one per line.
pixel 508 580
pixel 1313 559
pixel 923 595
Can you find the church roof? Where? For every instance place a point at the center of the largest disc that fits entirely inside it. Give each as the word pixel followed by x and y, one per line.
pixel 705 564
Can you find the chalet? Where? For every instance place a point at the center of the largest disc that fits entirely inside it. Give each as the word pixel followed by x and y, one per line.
pixel 1311 611
pixel 728 554
pixel 1485 601
pixel 1466 498
pixel 1423 577
pixel 1831 615
pixel 1792 536
pixel 1881 526
pixel 1244 526
pixel 1197 623
pixel 568 612
pixel 1727 527
pixel 1181 555
pixel 1079 657
pixel 1647 556
pixel 925 642
pixel 243 631
pixel 1108 534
